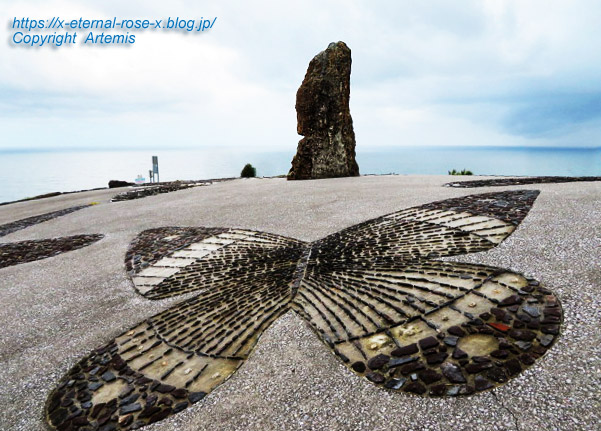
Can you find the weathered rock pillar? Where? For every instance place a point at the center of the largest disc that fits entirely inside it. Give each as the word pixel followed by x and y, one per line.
pixel 324 119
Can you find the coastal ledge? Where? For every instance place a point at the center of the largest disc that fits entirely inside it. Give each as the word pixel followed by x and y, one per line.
pixel 519 181
pixel 139 191
pixel 135 190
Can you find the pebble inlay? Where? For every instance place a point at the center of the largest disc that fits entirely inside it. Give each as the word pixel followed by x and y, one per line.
pixel 5 229
pixel 374 293
pixel 520 181
pixel 29 251
pixel 146 191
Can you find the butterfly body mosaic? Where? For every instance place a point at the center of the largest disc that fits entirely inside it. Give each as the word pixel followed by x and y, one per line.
pixel 377 294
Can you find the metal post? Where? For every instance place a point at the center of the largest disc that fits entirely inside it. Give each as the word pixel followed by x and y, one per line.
pixel 155 167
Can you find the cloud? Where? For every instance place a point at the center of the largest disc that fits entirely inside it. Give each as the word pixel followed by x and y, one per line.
pixel 554 114
pixel 424 73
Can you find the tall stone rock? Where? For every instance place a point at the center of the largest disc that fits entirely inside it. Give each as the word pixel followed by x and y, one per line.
pixel 324 119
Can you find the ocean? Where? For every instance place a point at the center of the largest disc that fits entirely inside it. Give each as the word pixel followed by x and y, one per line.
pixel 30 173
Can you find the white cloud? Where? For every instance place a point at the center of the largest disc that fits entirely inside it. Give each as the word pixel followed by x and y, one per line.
pixel 431 73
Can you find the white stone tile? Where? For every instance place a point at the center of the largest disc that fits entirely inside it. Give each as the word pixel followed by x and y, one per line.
pixel 192 254
pixel 174 262
pixel 150 281
pixel 158 271
pixel 203 246
pixel 234 236
pixel 216 240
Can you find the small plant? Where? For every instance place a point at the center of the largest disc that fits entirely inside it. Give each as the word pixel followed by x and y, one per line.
pixel 249 171
pixel 463 172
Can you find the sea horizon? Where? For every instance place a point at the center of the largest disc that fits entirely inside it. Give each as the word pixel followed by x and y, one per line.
pixel 30 172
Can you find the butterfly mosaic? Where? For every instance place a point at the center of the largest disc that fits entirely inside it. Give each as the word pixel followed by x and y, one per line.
pixel 376 293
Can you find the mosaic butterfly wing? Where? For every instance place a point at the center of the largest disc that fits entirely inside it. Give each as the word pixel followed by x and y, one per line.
pixel 375 293
pixel 395 315
pixel 242 283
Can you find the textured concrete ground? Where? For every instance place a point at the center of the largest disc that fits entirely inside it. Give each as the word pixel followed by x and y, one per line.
pixel 56 310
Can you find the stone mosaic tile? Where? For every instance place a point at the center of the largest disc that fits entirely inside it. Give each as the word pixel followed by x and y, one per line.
pixel 5 229
pixel 146 191
pixel 519 181
pixel 29 251
pixel 374 293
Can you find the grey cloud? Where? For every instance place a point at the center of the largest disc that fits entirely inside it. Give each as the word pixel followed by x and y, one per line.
pixel 552 115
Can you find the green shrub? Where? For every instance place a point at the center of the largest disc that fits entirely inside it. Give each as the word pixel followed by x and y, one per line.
pixel 249 171
pixel 463 172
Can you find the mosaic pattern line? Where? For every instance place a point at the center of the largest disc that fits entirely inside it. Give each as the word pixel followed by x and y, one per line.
pixel 519 181
pixel 30 251
pixel 5 229
pixel 374 293
pixel 146 191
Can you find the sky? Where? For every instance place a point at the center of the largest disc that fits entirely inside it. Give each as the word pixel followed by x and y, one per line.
pixel 485 72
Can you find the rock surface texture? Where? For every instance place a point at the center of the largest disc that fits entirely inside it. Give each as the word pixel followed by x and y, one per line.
pixel 324 119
